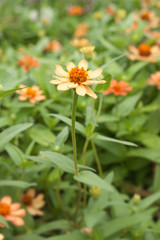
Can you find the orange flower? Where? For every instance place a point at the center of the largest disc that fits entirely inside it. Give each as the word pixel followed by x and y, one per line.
pixel 110 11
pixel 149 16
pixel 133 27
pixel 79 43
pixel 32 202
pixel 81 30
pixel 75 10
pixel 77 77
pixel 27 62
pixel 155 79
pixel 118 88
pixel 53 46
pixel 11 212
pixel 154 34
pixel 143 52
pixel 32 94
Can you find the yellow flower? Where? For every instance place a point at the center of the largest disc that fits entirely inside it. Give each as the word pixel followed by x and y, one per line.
pixel 77 77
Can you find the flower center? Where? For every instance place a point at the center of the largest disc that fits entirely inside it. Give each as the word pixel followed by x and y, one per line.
pixel 145 16
pixel 78 75
pixel 117 87
pixel 31 92
pixel 5 209
pixel 144 49
pixel 27 199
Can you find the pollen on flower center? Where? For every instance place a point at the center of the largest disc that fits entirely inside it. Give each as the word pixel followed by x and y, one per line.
pixel 31 92
pixel 145 16
pixel 4 209
pixel 144 49
pixel 78 75
pixel 27 199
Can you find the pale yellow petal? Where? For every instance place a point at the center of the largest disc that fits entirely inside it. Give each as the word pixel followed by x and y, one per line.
pixel 31 192
pixel 54 82
pixel 94 73
pixel 70 65
pixel 90 92
pixel 60 72
pixel 84 64
pixel 94 82
pixel 63 87
pixel 61 78
pixel 81 90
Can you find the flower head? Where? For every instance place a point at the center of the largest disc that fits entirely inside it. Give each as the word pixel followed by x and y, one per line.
pixel 11 211
pixel 53 46
pixel 118 88
pixel 149 17
pixel 27 62
pixel 86 230
pixel 155 79
pixel 32 94
pixel 79 43
pixel 81 30
pixel 144 52
pixel 75 10
pixel 32 202
pixel 77 77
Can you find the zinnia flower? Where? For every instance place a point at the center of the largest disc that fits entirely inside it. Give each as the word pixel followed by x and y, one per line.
pixel 75 10
pixel 53 46
pixel 144 52
pixel 32 202
pixel 118 88
pixel 32 94
pixel 27 62
pixel 11 211
pixel 81 30
pixel 149 16
pixel 77 77
pixel 155 79
pixel 79 43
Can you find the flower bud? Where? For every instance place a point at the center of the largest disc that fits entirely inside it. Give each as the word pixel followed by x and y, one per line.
pixel 95 192
pixel 136 199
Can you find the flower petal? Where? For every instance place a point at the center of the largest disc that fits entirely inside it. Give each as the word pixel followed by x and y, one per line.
pixel 94 82
pixel 84 64
pixel 33 211
pixel 94 73
pixel 6 199
pixel 15 206
pixel 70 65
pixel 19 213
pixel 55 82
pixel 60 72
pixel 90 92
pixel 81 90
pixel 31 192
pixel 63 87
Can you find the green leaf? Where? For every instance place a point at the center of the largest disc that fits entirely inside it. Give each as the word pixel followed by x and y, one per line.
pixel 108 45
pixel 3 221
pixel 111 61
pixel 7 93
pixel 100 137
pixel 61 138
pixel 15 154
pixel 92 179
pixel 76 235
pixel 29 237
pixel 135 68
pixel 146 153
pixel 105 86
pixel 42 135
pixel 147 202
pixel 60 161
pixel 67 120
pixel 55 225
pixel 116 225
pixel 9 133
pixel 16 183
pixel 125 107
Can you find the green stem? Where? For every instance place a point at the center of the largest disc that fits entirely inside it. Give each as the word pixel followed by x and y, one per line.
pixel 97 159
pixel 74 107
pixel 59 197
